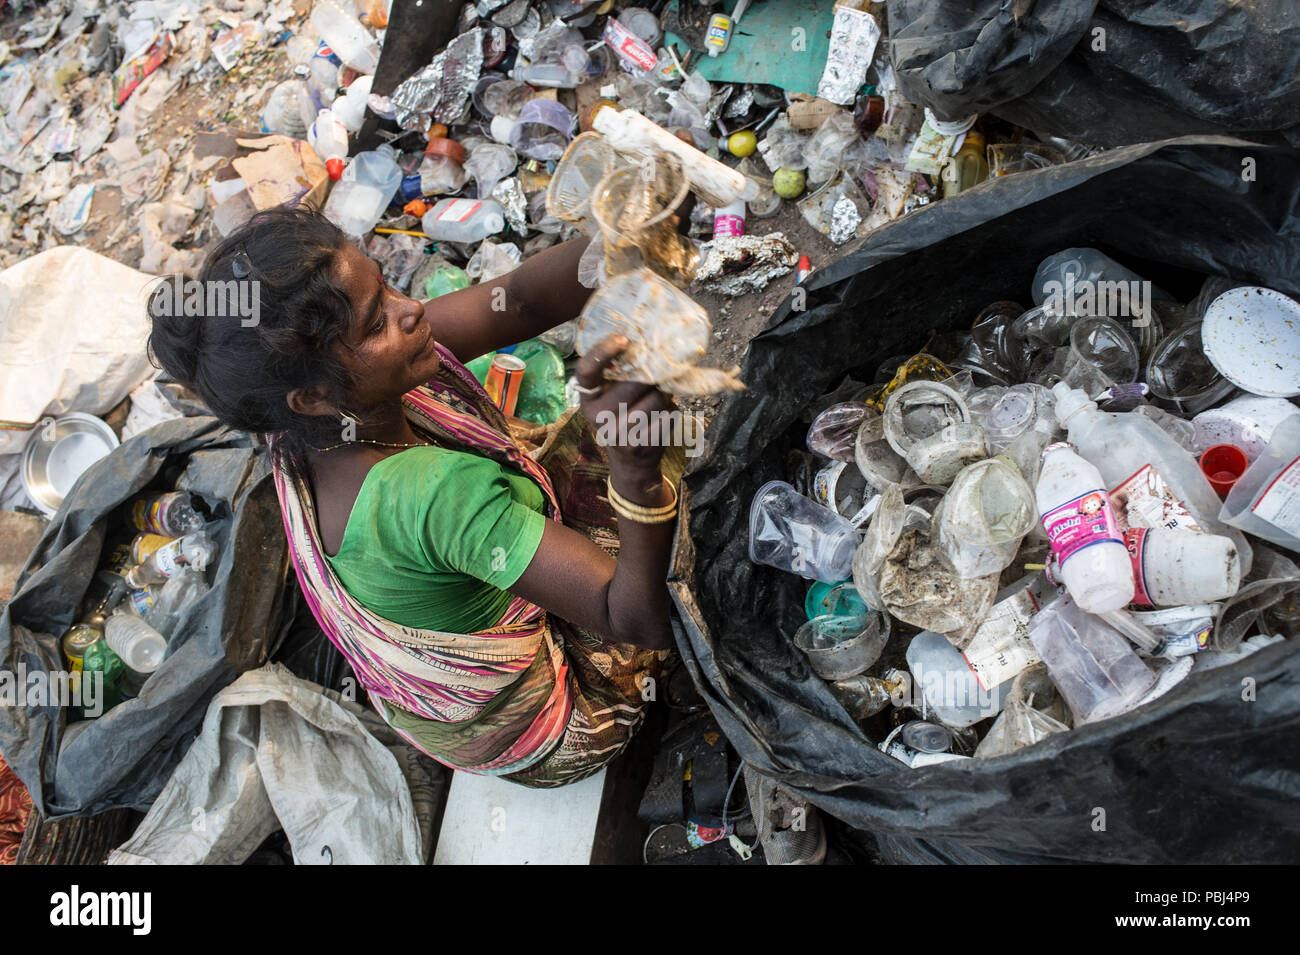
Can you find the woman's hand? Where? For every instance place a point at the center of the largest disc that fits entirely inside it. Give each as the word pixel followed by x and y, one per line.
pixel 616 409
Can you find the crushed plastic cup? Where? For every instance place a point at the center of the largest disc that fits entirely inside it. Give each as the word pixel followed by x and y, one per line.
pixel 790 532
pixel 879 463
pixel 1007 158
pixel 840 647
pixel 1223 465
pixel 984 516
pixel 542 130
pixel 636 210
pixel 1101 354
pixel 587 161
pixel 883 532
pixel 834 432
pixel 1092 665
pixel 667 330
pixel 929 425
pixel 504 98
pixel 842 488
pixel 488 164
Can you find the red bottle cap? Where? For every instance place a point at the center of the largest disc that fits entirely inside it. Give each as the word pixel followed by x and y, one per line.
pixel 335 168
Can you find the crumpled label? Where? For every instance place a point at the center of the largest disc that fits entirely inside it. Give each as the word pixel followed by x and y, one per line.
pixel 441 89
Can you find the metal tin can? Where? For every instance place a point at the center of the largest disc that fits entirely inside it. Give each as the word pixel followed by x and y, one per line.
pixel 76 640
pixel 505 376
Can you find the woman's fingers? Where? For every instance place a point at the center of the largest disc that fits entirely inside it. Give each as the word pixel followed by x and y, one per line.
pixel 591 367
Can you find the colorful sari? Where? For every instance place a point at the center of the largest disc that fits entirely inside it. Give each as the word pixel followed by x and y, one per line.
pixel 532 698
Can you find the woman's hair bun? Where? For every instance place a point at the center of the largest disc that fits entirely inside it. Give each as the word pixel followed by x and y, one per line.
pixel 175 342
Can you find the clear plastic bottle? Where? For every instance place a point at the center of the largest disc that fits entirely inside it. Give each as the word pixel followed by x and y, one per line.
pixel 175 598
pixel 193 550
pixel 284 109
pixel 1077 516
pixel 463 220
pixel 1174 567
pixel 363 193
pixel 948 685
pixel 140 646
pixel 1120 445
pixel 329 137
pixel 1077 270
pixel 351 42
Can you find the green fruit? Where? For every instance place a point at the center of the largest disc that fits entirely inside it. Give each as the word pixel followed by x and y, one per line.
pixel 742 144
pixel 789 183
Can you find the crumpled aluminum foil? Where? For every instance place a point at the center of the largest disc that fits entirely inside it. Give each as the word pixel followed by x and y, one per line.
pixel 441 89
pixel 736 264
pixel 845 219
pixel 740 104
pixel 510 193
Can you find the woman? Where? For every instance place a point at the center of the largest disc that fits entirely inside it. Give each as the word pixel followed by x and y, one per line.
pixel 428 543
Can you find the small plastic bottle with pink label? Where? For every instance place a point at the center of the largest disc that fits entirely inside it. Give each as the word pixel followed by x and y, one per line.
pixel 1077 516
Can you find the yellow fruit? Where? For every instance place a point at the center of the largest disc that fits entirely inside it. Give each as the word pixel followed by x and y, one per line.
pixel 742 144
pixel 789 183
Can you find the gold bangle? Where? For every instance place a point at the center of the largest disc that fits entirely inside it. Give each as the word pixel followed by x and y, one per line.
pixel 643 519
pixel 638 513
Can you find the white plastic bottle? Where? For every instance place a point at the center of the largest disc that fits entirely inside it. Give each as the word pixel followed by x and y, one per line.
pixel 1120 445
pixel 350 108
pixel 351 42
pixel 329 137
pixel 1173 567
pixel 1076 514
pixel 463 220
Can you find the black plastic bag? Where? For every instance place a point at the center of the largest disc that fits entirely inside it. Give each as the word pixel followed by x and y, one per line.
pixel 123 758
pixel 1200 775
pixel 1107 73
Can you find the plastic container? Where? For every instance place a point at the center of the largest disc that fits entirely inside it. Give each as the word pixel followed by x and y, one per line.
pixel 1180 374
pixel 1223 464
pixel 1266 499
pixel 834 432
pixel 175 599
pixel 140 646
pixel 836 600
pixel 790 532
pixel 1081 526
pixel 1173 567
pixel 542 130
pixel 364 191
pixel 1120 445
pixel 926 737
pixel 1092 665
pixel 351 42
pixel 929 425
pixel 442 168
pixel 635 208
pixel 1247 421
pixel 488 164
pixel 463 220
pixel 967 168
pixel 631 50
pixel 587 161
pixel 840 647
pixel 1071 277
pixel 948 686
pixel 1252 337
pixel 193 550
pixel 350 108
pixel 171 514
pixel 329 137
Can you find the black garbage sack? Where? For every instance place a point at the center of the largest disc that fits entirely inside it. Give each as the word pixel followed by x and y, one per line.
pixel 1106 73
pixel 123 758
pixel 1199 775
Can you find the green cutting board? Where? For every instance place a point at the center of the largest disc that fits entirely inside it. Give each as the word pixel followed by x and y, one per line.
pixel 763 45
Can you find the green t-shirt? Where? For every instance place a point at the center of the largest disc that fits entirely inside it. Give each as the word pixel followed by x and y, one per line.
pixel 437 536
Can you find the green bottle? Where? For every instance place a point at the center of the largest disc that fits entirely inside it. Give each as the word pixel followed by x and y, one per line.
pixel 446 279
pixel 480 365
pixel 541 394
pixel 100 658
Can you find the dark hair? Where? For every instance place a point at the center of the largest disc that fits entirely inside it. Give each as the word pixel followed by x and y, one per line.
pixel 243 371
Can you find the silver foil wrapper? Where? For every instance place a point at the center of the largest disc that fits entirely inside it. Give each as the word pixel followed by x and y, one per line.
pixel 740 104
pixel 441 89
pixel 737 264
pixel 510 193
pixel 845 219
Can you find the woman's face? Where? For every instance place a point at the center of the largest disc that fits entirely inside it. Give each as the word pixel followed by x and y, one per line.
pixel 392 347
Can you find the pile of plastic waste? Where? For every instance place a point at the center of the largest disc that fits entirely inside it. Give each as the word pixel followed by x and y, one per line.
pixel 1052 518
